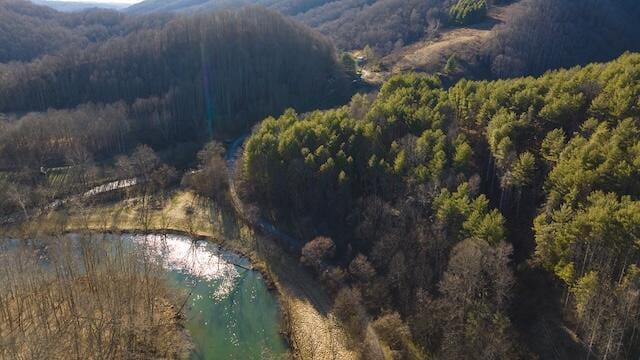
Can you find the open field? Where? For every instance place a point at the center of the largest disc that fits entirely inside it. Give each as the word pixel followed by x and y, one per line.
pixel 430 55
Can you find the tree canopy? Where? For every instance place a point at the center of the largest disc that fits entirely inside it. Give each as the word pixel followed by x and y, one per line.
pixel 409 178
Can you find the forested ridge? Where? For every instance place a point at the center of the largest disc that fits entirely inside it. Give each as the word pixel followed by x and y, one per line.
pixel 429 196
pixel 193 77
pixel 28 31
pixel 550 34
pixel 540 35
pixel 73 6
pixel 352 24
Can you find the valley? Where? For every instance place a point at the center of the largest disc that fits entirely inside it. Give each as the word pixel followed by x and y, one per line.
pixel 293 179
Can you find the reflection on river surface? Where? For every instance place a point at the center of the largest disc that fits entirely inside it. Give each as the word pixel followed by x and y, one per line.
pixel 230 313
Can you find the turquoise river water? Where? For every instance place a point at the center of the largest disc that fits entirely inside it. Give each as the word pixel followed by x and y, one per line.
pixel 230 313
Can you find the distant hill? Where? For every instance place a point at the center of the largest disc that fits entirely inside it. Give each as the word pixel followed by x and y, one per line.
pixel 155 6
pixel 72 6
pixel 352 24
pixel 28 31
pixel 232 68
pixel 286 7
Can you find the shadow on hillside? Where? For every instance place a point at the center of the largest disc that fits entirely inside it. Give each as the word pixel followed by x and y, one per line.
pixel 538 316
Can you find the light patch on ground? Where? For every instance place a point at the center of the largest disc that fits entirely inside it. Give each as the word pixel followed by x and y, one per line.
pixel 431 55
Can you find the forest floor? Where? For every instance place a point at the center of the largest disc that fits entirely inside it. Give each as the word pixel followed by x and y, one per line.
pixel 314 333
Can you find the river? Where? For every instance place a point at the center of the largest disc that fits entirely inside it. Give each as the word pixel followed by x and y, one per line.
pixel 230 313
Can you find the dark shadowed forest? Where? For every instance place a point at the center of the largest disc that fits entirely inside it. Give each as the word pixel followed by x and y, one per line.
pixel 549 34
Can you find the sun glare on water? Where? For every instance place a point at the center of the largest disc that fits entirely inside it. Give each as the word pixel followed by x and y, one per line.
pixel 198 259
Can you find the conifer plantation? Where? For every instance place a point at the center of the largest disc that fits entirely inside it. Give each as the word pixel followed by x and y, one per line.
pixel 440 201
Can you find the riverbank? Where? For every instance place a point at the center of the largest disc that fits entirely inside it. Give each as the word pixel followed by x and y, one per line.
pixel 312 331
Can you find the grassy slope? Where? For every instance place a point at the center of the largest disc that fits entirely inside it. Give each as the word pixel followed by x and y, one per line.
pixel 430 55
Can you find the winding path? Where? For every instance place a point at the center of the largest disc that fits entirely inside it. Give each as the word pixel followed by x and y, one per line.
pixel 56 203
pixel 232 155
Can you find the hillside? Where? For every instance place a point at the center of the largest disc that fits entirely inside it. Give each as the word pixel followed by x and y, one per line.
pixel 351 24
pixel 231 68
pixel 193 77
pixel 526 37
pixel 156 6
pixel 28 31
pixel 431 55
pixel 287 7
pixel 549 34
pixel 504 39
